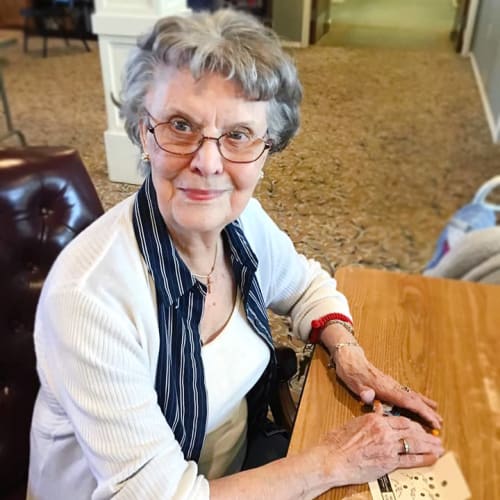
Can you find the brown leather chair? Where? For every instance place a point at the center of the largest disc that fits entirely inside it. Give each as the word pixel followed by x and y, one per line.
pixel 46 199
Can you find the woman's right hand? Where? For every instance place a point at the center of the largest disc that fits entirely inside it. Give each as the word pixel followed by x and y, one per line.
pixel 372 445
pixel 364 449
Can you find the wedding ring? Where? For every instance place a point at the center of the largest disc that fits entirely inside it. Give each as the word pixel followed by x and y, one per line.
pixel 406 447
pixel 405 388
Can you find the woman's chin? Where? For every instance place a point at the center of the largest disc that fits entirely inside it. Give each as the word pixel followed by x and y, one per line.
pixel 200 220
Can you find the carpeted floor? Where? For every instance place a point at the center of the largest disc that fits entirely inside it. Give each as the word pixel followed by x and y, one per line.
pixel 428 15
pixel 392 143
pixel 404 24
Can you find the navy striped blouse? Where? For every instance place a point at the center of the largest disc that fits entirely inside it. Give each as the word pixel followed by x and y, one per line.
pixel 180 382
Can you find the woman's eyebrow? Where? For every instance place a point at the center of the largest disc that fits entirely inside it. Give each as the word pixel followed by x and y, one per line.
pixel 246 124
pixel 250 125
pixel 170 113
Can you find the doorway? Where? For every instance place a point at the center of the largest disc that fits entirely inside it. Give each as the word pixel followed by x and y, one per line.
pixel 406 24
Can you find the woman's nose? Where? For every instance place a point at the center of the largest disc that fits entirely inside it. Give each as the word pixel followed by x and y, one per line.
pixel 208 160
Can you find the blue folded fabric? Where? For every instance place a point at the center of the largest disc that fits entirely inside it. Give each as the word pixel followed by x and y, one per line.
pixel 479 214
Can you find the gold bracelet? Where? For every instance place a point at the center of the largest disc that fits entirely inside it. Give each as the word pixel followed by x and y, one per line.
pixel 345 324
pixel 337 347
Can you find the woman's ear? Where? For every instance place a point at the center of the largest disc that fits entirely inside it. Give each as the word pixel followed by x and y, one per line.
pixel 143 133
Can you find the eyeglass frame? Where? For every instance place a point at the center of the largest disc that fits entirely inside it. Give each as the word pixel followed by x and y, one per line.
pixel 151 129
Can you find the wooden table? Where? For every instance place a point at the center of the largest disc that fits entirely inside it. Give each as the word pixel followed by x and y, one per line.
pixel 440 337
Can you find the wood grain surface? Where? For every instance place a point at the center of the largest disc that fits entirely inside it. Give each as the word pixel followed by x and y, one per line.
pixel 440 337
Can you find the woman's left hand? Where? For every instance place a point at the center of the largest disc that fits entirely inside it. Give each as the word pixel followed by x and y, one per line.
pixel 370 383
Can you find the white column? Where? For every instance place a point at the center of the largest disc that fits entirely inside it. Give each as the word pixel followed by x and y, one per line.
pixel 117 23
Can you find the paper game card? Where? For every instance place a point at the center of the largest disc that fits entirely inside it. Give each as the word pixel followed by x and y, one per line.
pixel 442 481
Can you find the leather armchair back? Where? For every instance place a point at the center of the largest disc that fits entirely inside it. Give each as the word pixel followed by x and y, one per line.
pixel 46 199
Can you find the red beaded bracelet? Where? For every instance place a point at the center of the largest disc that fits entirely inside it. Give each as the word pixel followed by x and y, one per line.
pixel 317 325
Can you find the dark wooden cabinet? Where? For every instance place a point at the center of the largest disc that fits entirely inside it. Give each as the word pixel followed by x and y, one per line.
pixel 259 8
pixel 320 19
pixel 459 23
pixel 10 17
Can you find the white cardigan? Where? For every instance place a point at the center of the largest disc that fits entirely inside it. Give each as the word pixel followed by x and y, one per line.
pixel 97 429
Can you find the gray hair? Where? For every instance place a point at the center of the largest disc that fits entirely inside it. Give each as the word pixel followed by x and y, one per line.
pixel 233 44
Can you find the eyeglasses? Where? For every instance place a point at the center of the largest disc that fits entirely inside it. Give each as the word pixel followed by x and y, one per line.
pixel 181 138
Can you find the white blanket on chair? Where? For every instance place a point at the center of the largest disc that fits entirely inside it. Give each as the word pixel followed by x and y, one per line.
pixel 475 258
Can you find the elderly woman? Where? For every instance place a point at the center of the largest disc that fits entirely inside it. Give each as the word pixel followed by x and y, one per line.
pixel 153 344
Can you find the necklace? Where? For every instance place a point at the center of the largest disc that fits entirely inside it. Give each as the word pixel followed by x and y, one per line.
pixel 208 276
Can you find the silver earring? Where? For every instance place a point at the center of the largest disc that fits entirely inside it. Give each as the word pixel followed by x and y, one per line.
pixel 261 175
pixel 145 156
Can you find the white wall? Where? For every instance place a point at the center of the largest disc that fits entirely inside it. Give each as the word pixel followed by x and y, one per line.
pixel 486 61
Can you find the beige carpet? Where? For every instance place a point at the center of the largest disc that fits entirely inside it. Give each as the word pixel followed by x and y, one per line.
pixel 403 24
pixel 392 143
